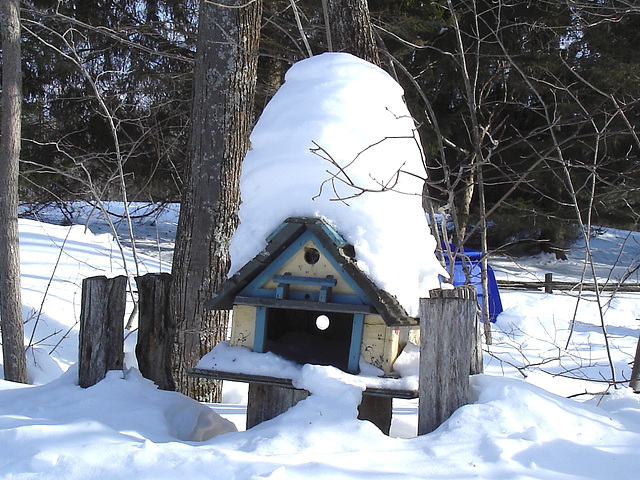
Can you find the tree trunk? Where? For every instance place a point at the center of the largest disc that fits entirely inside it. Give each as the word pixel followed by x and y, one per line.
pixel 222 118
pixel 350 29
pixel 15 363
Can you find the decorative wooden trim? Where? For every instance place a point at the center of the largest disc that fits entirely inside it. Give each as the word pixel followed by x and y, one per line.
pixel 285 241
pixel 356 342
pixel 255 285
pixel 306 305
pixel 289 279
pixel 261 329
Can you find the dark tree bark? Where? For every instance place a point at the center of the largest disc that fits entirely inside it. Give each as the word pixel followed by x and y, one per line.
pixel 222 118
pixel 101 337
pixel 350 29
pixel 155 329
pixel 15 363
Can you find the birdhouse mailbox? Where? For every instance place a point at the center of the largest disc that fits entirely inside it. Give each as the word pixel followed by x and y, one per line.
pixel 305 299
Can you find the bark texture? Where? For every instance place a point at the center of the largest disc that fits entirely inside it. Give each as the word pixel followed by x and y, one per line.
pixel 101 336
pixel 155 329
pixel 15 364
pixel 224 87
pixel 447 336
pixel 350 29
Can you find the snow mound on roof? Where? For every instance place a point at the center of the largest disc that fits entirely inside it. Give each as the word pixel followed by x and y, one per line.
pixel 365 177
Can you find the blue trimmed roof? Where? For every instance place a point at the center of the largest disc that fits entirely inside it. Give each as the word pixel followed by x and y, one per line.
pixel 338 251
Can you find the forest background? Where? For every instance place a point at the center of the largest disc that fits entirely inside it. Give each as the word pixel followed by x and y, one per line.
pixel 526 111
pixel 541 97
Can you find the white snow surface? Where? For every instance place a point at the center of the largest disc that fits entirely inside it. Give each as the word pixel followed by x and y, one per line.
pixel 543 409
pixel 517 425
pixel 366 181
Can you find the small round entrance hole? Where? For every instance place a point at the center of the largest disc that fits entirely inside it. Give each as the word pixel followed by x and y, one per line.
pixel 311 256
pixel 322 322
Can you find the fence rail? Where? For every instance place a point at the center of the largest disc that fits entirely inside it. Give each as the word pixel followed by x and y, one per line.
pixel 571 286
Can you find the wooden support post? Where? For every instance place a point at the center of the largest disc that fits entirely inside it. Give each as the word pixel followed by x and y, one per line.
pixel 265 402
pixel 447 331
pixel 101 328
pixel 155 329
pixel 268 401
pixel 548 283
pixel 378 410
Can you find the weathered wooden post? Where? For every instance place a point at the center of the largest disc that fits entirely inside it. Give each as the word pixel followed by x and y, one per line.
pixel 548 283
pixel 378 410
pixel 101 328
pixel 268 401
pixel 155 329
pixel 447 333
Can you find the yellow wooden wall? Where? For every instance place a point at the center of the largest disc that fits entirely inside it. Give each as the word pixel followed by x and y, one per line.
pixel 380 344
pixel 243 326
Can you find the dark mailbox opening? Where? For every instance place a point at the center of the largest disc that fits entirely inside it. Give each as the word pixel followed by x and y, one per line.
pixel 322 338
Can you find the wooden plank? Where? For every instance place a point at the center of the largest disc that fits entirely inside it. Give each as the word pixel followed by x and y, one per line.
pixel 289 279
pixel 572 286
pixel 243 326
pixel 286 382
pixel 477 361
pixel 306 305
pixel 376 343
pixel 239 377
pixel 261 330
pixel 634 382
pixel 356 341
pixel 378 410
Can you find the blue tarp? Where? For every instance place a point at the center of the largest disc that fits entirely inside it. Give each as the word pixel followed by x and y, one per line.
pixel 473 259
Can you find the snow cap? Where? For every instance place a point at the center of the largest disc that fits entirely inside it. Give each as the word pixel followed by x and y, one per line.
pixel 337 142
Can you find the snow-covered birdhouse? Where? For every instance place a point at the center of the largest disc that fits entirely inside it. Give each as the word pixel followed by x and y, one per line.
pixel 333 251
pixel 304 298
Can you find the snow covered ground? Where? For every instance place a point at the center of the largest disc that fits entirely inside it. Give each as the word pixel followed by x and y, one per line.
pixel 545 407
pixel 519 423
